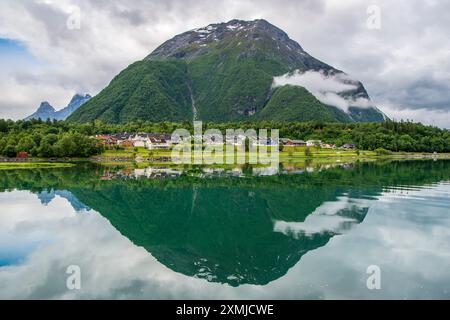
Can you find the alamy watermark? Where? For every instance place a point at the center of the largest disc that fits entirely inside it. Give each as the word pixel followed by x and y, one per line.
pixel 374 17
pixel 236 147
pixel 73 281
pixel 74 19
pixel 374 280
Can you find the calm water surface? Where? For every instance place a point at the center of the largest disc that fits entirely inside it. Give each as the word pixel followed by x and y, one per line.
pixel 297 232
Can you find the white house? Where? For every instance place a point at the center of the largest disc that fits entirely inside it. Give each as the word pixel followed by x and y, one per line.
pixel 139 140
pixel 212 141
pixel 152 141
pixel 313 143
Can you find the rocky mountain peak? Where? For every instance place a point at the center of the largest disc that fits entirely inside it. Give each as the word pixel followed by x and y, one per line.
pixel 45 107
pixel 79 97
pixel 46 111
pixel 244 35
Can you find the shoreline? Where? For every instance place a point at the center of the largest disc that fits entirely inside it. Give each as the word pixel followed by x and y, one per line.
pixel 365 156
pixel 34 165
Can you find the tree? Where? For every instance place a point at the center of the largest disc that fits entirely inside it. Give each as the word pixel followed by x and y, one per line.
pixel 3 144
pixel 405 143
pixel 247 144
pixel 290 150
pixel 45 150
pixel 308 152
pixel 382 152
pixel 25 144
pixel 50 139
pixel 67 146
pixel 3 126
pixel 10 151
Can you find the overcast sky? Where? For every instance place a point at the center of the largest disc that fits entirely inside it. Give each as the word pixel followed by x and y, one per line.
pixel 404 65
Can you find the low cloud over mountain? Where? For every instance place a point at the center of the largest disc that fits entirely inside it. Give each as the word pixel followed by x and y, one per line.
pixel 328 89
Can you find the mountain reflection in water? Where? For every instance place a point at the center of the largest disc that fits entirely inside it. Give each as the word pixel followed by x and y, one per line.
pixel 233 226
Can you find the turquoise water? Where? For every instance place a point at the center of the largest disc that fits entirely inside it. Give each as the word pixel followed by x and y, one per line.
pixel 297 232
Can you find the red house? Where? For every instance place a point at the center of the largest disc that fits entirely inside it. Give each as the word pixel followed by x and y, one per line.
pixel 22 155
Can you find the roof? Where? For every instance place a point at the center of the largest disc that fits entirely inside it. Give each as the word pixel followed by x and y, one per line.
pixel 157 140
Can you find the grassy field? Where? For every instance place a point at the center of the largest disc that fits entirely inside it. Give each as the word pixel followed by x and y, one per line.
pixel 141 157
pixel 32 165
pixel 135 152
pixel 287 153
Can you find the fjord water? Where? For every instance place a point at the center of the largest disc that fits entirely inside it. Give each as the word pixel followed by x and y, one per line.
pixel 299 232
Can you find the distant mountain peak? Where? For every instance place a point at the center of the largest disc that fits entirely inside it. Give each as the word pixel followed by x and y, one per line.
pixel 80 96
pixel 45 107
pixel 47 111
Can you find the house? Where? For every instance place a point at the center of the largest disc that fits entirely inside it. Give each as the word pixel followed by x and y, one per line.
pixel 238 140
pixel 327 146
pixel 106 139
pixel 273 143
pixel 293 143
pixel 313 143
pixel 299 143
pixel 144 140
pixel 124 139
pixel 121 139
pixel 152 141
pixel 22 155
pixel 349 146
pixel 212 141
pixel 126 144
pixel 265 142
pixel 176 139
pixel 139 140
pixel 159 142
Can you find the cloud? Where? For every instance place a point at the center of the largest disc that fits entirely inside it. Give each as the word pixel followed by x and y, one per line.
pixel 406 62
pixel 438 118
pixel 316 81
pixel 328 89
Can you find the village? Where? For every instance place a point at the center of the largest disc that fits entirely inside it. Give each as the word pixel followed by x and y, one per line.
pixel 163 141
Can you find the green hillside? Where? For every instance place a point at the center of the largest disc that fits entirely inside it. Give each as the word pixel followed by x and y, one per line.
pixel 146 90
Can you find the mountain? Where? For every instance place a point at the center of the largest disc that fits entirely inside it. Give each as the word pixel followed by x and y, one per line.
pixel 77 101
pixel 46 111
pixel 47 196
pixel 227 72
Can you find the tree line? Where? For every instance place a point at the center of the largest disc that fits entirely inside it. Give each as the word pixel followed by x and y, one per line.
pixel 63 139
pixel 45 140
pixel 390 135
